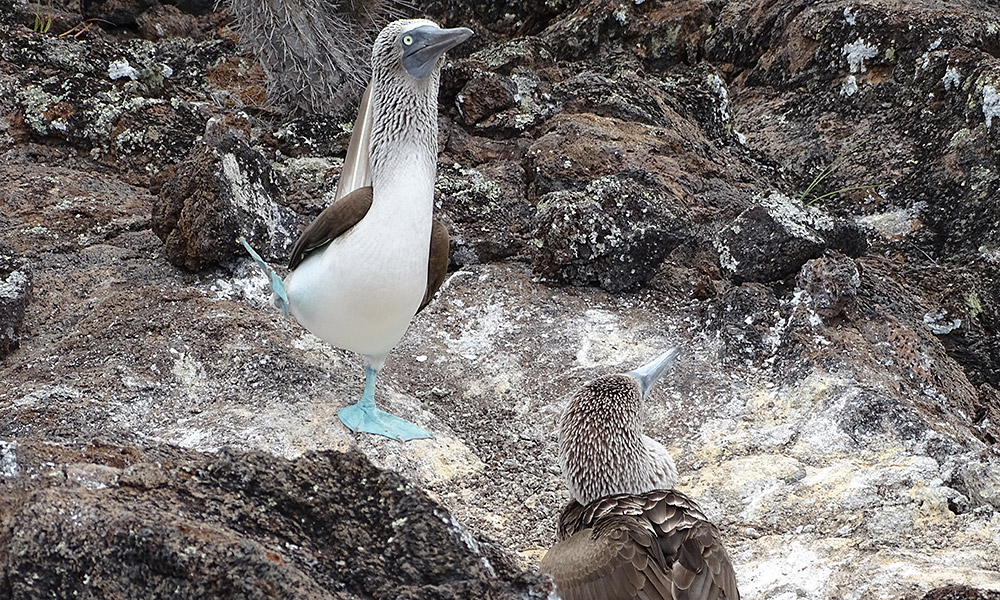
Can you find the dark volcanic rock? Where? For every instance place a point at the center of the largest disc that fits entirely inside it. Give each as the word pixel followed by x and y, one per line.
pixel 223 190
pixel 610 203
pixel 774 238
pixel 119 521
pixel 489 217
pixel 484 95
pixel 961 592
pixel 581 242
pixel 15 283
pixel 744 316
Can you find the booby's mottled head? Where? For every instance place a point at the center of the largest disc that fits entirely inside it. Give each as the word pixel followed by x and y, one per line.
pixel 416 44
pixel 602 449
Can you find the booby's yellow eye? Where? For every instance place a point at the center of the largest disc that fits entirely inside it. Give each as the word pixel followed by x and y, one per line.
pixel 407 40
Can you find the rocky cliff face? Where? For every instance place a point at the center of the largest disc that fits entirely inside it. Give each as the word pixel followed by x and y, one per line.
pixel 618 177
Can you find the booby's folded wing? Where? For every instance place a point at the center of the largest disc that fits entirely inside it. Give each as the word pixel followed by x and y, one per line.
pixel 437 266
pixel 357 171
pixel 331 223
pixel 653 546
pixel 618 560
pixel 700 567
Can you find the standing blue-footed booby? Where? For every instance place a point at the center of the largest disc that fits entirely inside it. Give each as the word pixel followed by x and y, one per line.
pixel 627 534
pixel 375 257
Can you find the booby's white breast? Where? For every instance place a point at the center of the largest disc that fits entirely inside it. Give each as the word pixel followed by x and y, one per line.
pixel 360 292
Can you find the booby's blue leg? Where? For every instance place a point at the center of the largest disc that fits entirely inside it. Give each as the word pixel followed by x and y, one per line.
pixel 277 286
pixel 363 416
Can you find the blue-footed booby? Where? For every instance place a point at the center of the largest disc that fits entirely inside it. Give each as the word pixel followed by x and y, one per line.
pixel 627 533
pixel 375 257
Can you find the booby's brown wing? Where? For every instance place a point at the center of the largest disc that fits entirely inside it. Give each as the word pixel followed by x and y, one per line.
pixel 331 223
pixel 354 189
pixel 437 265
pixel 357 171
pixel 649 546
pixel 700 566
pixel 616 562
pixel 346 213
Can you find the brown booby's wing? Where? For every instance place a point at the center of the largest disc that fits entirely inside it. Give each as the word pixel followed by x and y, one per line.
pixel 331 223
pixel 700 567
pixel 654 546
pixel 437 265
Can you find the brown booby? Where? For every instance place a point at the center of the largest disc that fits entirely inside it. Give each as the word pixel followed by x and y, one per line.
pixel 627 534
pixel 376 256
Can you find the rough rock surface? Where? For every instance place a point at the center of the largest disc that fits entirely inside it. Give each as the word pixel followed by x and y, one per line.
pixel 222 190
pixel 118 520
pixel 15 281
pixel 836 409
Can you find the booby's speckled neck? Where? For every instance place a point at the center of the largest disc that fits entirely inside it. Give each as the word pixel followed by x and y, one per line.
pixel 405 132
pixel 404 115
pixel 602 449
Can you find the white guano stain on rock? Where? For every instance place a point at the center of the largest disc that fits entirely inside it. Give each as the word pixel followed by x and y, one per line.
pixel 794 573
pixel 784 465
pixel 120 68
pixel 8 460
pixel 895 224
pixel 991 104
pixel 850 86
pixel 940 322
pixel 951 79
pixel 850 16
pixel 925 58
pixel 800 220
pixel 719 87
pixel 857 52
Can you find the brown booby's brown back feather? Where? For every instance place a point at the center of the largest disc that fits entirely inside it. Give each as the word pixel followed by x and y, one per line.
pixel 652 546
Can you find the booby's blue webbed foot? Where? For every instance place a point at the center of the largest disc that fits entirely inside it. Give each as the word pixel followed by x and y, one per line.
pixel 277 286
pixel 363 416
pixel 369 419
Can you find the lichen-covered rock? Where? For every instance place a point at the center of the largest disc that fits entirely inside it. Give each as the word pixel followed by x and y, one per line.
pixel 610 206
pixel 830 284
pixel 484 95
pixel 15 282
pixel 504 90
pixel 119 103
pixel 601 236
pixel 166 523
pixel 774 238
pixel 913 101
pixel 487 213
pixel 223 190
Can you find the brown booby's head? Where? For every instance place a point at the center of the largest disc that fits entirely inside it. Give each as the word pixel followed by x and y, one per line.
pixel 602 449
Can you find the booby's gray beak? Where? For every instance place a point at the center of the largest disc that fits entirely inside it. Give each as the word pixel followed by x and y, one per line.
pixel 649 373
pixel 423 45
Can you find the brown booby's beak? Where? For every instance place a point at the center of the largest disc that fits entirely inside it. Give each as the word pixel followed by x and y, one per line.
pixel 649 373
